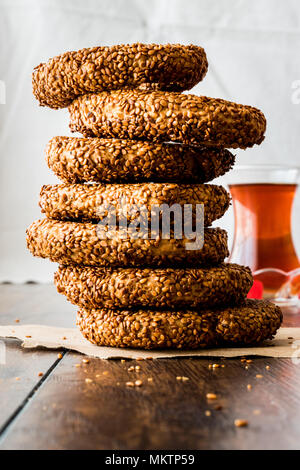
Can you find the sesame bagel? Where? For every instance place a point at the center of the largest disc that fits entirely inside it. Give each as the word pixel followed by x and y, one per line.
pixel 167 67
pixel 136 287
pixel 92 202
pixel 250 323
pixel 79 160
pixel 166 116
pixel 81 243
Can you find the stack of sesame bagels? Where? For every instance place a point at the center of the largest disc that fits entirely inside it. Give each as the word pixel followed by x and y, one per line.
pixel 145 144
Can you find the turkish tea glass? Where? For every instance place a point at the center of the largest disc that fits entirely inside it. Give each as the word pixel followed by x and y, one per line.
pixel 262 198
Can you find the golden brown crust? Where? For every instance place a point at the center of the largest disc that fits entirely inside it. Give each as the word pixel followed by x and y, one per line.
pixel 166 116
pixel 80 243
pixel 250 323
pixel 86 202
pixel 167 67
pixel 79 160
pixel 225 284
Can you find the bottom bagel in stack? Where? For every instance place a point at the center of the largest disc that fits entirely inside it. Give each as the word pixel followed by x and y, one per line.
pixel 249 323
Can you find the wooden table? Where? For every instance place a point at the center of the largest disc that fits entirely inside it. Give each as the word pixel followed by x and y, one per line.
pixel 62 410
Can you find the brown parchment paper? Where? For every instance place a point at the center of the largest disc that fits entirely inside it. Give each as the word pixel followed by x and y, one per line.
pixel 285 344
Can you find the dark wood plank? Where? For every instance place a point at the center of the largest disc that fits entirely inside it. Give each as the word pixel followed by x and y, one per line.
pixel 35 303
pixel 19 376
pixel 69 413
pixel 291 317
pixel 30 304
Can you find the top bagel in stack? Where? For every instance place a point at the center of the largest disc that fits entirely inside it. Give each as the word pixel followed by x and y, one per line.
pixel 172 67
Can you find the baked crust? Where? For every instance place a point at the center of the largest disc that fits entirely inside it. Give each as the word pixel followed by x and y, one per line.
pixel 166 116
pixel 59 81
pixel 250 323
pixel 80 243
pixel 225 284
pixel 79 160
pixel 92 202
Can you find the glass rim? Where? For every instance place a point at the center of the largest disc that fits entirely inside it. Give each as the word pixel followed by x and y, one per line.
pixel 265 166
pixel 263 174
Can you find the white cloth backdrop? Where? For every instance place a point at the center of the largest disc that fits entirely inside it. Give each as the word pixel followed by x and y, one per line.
pixel 253 51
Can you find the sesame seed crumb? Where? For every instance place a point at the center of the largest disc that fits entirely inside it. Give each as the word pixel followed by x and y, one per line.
pixel 129 384
pixel 211 396
pixel 240 423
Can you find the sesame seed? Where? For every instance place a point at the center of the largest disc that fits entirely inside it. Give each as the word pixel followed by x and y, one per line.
pixel 211 396
pixel 240 423
pixel 130 384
